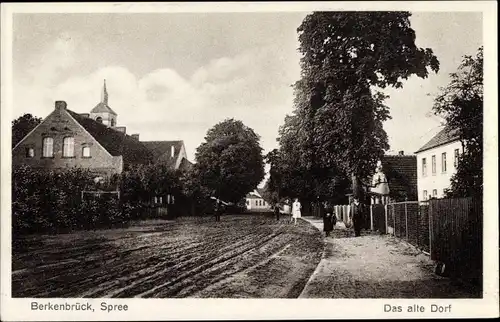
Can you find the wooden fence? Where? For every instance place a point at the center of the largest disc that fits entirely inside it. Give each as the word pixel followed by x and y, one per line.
pixel 449 230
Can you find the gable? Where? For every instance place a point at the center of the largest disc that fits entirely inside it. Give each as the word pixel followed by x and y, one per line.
pixel 161 151
pixel 58 125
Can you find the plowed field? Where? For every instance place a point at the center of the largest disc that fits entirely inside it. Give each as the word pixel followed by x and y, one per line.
pixel 251 256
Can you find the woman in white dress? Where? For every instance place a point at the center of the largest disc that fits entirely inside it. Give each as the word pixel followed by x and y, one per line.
pixel 296 206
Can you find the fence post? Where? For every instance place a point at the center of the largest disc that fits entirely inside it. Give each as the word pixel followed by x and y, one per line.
pixel 371 218
pixel 394 219
pixel 430 229
pixel 406 220
pixel 386 223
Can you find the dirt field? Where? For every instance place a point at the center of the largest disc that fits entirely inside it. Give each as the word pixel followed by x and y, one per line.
pixel 249 256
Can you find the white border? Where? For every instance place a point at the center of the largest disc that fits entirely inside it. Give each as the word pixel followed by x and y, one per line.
pixel 208 309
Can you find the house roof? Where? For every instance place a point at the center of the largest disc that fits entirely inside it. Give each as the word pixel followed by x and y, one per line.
pixel 401 174
pixel 254 194
pixel 161 149
pixel 443 137
pixel 102 108
pixel 115 142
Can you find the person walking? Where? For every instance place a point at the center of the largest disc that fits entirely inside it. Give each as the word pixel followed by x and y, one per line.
pixel 329 219
pixel 357 213
pixel 277 211
pixel 296 206
pixel 218 210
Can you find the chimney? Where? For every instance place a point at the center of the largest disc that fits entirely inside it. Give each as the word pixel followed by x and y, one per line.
pixel 85 114
pixel 401 153
pixel 122 129
pixel 135 136
pixel 60 105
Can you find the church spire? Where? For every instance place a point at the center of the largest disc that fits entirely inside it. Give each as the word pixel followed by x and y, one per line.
pixel 104 95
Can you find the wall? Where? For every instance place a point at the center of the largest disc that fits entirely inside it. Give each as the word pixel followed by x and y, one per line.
pixel 58 125
pixel 256 204
pixel 440 180
pixel 106 117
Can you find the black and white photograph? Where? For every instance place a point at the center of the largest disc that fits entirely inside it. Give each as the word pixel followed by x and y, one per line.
pixel 151 152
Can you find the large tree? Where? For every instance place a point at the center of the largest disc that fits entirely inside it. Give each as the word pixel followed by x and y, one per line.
pixel 460 103
pixel 22 126
pixel 230 163
pixel 347 58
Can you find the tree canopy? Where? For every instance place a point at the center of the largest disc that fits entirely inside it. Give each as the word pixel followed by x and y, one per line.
pixel 229 163
pixel 22 126
pixel 336 130
pixel 460 103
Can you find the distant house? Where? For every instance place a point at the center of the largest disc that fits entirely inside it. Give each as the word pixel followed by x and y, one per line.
pixel 395 179
pixel 437 162
pixel 255 202
pixel 65 139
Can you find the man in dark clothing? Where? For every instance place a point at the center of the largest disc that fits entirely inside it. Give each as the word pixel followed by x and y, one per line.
pixel 218 210
pixel 329 219
pixel 357 217
pixel 277 211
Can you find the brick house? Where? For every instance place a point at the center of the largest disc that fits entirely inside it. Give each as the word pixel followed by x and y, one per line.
pixel 65 139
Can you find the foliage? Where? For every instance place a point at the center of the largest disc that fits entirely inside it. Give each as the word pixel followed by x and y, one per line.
pixel 336 131
pixel 50 201
pixel 229 162
pixel 460 103
pixel 22 126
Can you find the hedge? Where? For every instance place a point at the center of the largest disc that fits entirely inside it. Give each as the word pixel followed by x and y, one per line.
pixel 49 201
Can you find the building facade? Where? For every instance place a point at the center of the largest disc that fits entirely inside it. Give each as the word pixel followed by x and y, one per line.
pixel 65 139
pixel 255 202
pixel 437 162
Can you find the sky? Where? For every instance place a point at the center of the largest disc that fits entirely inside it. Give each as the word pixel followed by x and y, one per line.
pixel 172 76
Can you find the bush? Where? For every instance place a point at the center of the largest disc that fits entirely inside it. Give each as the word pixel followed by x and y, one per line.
pixel 49 201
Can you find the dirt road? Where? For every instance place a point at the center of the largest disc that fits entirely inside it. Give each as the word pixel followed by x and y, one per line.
pixel 241 256
pixel 377 266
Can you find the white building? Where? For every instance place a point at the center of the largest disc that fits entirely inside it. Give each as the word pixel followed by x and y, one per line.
pixel 437 161
pixel 255 202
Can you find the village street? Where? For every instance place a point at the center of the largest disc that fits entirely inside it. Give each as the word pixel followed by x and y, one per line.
pixel 243 256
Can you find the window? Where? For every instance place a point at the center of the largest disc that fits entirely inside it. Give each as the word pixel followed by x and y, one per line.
pixel 433 164
pixel 424 167
pixel 68 147
pixel 30 152
pixel 455 161
pixel 443 162
pixel 112 122
pixel 434 193
pixel 48 148
pixel 99 119
pixel 86 152
pixel 425 194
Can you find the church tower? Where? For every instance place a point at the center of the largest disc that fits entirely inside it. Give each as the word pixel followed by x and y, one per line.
pixel 102 112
